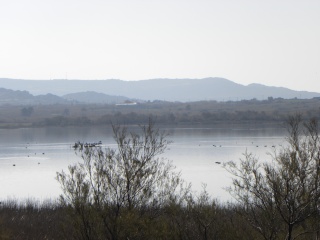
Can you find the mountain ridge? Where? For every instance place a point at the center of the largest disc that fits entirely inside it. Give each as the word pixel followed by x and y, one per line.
pixel 18 97
pixel 23 97
pixel 184 90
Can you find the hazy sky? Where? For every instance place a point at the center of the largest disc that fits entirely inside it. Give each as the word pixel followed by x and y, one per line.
pixel 274 42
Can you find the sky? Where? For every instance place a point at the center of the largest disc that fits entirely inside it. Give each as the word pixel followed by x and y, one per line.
pixel 274 42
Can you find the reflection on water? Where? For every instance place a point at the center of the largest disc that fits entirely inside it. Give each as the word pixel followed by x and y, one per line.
pixel 39 153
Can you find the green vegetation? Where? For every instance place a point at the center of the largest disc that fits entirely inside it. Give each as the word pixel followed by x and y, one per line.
pixel 129 192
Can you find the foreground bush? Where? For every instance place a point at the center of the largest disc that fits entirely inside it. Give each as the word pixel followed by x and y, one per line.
pixel 280 199
pixel 32 220
pixel 206 219
pixel 117 193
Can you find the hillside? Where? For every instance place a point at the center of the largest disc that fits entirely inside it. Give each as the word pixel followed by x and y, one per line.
pixel 17 97
pixel 11 97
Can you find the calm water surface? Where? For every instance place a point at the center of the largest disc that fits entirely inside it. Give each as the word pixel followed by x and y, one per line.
pixel 39 153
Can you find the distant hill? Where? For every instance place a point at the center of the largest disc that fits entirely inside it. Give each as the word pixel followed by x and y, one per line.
pixel 11 97
pixel 94 97
pixel 17 97
pixel 185 90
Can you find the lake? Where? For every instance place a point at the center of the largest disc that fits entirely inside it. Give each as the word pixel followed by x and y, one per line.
pixel 30 157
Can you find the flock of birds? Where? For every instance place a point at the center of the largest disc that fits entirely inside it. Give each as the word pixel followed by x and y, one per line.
pixel 218 162
pixel 75 146
pixel 82 145
pixel 252 143
pixel 85 145
pixel 29 156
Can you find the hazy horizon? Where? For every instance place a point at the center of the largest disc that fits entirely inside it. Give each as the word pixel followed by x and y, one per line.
pixel 274 43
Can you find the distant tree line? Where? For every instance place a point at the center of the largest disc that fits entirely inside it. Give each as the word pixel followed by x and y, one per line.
pixel 202 112
pixel 205 117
